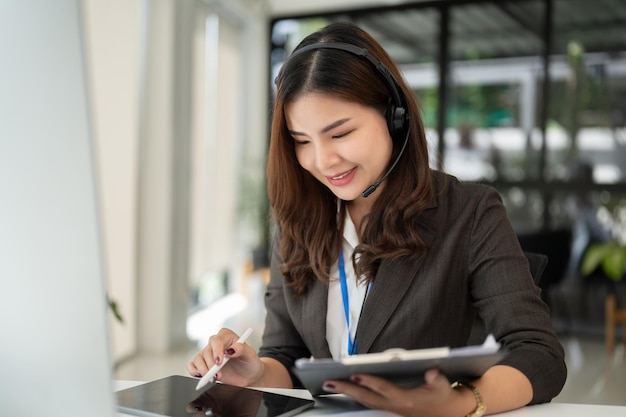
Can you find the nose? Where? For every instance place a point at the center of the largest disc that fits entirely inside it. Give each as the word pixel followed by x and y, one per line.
pixel 325 156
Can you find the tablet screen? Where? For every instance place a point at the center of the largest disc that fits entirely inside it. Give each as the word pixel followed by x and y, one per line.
pixel 176 396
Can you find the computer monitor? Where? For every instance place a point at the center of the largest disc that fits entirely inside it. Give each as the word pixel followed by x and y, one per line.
pixel 54 351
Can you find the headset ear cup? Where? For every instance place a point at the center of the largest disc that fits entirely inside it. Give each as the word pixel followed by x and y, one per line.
pixel 396 119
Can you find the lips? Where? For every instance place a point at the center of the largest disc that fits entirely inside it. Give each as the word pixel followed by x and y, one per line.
pixel 343 178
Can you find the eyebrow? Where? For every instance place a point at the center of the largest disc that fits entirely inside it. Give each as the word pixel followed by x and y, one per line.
pixel 324 130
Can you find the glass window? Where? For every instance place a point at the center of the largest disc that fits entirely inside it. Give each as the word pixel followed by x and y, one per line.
pixel 587 114
pixel 491 118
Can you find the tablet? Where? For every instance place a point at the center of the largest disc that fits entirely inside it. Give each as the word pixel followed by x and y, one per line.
pixel 403 367
pixel 176 396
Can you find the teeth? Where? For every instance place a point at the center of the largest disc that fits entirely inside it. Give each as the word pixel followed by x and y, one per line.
pixel 342 175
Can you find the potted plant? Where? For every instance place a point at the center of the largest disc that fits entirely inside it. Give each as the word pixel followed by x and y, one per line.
pixel 609 257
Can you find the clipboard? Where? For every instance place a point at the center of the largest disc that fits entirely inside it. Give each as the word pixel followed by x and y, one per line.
pixel 403 367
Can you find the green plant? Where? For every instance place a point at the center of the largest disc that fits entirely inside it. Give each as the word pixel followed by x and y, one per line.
pixel 610 256
pixel 115 309
pixel 254 205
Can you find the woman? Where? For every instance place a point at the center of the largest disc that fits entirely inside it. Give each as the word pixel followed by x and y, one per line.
pixel 353 196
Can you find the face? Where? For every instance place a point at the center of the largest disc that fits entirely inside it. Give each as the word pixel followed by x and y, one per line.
pixel 345 145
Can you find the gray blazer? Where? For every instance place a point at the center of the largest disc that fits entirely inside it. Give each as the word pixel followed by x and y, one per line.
pixel 474 265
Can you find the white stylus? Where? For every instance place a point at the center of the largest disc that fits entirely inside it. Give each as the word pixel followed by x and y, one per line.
pixel 210 376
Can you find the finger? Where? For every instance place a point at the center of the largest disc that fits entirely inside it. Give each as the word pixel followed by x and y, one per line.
pixel 359 393
pixel 433 378
pixel 373 383
pixel 436 381
pixel 430 377
pixel 205 358
pixel 198 365
pixel 236 350
pixel 193 370
pixel 384 394
pixel 213 353
pixel 225 344
pixel 380 393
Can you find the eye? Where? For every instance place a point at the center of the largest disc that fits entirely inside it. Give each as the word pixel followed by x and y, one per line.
pixel 342 135
pixel 298 138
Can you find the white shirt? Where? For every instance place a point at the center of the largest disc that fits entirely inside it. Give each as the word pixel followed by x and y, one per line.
pixel 336 326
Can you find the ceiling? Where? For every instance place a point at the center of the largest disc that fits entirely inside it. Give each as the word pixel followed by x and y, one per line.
pixel 409 30
pixel 298 7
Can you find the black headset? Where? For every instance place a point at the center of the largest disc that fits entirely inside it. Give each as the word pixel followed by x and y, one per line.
pixel 396 114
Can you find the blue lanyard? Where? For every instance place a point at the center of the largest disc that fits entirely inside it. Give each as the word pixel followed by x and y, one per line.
pixel 346 302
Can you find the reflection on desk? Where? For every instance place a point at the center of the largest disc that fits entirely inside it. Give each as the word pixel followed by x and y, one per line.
pixel 341 406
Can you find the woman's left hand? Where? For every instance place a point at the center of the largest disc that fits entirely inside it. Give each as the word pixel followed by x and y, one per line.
pixel 434 397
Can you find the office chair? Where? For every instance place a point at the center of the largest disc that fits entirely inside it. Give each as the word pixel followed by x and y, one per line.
pixel 537 263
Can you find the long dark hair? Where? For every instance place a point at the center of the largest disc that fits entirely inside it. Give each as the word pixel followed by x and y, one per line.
pixel 304 209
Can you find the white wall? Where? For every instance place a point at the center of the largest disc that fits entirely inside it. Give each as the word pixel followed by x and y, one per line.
pixel 113 32
pixel 170 152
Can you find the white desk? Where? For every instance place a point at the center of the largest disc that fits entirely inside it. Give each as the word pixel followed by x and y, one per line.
pixel 542 410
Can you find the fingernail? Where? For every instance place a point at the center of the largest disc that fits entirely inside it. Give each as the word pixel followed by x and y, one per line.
pixel 329 387
pixel 356 379
pixel 198 375
pixel 230 351
pixel 217 360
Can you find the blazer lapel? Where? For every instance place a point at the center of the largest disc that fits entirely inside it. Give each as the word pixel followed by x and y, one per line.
pixel 392 282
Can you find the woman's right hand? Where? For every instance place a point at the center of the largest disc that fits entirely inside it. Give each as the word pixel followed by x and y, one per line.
pixel 243 368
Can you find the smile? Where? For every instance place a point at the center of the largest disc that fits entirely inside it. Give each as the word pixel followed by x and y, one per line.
pixel 342 179
pixel 341 176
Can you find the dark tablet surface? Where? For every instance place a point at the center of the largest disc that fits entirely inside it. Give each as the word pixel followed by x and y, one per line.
pixel 405 373
pixel 403 367
pixel 176 396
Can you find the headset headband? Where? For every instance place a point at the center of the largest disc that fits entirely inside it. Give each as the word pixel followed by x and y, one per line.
pixel 390 80
pixel 396 114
